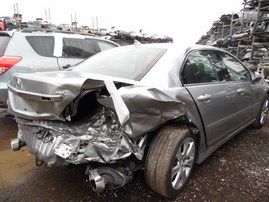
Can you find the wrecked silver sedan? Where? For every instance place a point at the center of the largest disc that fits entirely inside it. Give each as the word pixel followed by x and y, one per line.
pixel 156 107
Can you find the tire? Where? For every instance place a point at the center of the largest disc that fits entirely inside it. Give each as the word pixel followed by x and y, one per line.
pixel 262 116
pixel 174 148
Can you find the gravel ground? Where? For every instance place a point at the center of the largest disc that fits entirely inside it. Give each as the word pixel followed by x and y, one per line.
pixel 238 171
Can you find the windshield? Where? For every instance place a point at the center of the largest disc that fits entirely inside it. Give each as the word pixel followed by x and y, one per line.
pixel 124 62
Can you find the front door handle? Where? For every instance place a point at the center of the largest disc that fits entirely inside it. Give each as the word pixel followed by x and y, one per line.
pixel 204 97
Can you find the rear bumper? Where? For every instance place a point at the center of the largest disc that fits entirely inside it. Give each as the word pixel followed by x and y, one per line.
pixel 3 96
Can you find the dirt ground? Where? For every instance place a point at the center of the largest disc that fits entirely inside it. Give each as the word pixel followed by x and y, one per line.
pixel 238 171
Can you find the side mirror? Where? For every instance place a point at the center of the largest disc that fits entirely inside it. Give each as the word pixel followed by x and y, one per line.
pixel 256 76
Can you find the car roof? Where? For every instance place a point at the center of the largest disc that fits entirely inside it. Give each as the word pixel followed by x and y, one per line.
pixel 178 46
pixel 165 73
pixel 45 32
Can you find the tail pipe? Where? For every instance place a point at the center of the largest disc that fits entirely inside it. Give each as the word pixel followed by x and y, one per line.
pixel 17 144
pixel 106 178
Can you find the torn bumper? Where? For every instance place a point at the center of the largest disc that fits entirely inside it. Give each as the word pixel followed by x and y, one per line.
pixel 92 141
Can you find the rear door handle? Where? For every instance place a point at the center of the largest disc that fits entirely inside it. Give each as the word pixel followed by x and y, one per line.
pixel 204 97
pixel 66 66
pixel 240 91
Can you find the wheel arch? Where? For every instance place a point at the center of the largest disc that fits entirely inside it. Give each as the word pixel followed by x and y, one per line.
pixel 190 126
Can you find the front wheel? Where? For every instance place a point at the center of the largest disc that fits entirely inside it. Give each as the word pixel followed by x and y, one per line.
pixel 262 116
pixel 170 160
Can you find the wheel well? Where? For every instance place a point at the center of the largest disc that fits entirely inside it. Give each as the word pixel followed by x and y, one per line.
pixel 192 128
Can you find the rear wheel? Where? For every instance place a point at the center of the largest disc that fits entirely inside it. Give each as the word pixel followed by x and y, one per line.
pixel 170 160
pixel 262 116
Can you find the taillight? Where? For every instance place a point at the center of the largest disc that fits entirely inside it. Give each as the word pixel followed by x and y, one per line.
pixel 7 62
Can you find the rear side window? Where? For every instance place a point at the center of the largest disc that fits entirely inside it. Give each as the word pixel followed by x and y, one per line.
pixel 105 45
pixel 42 45
pixel 3 41
pixel 78 48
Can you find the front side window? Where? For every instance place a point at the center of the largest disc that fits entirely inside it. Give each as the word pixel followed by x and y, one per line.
pixel 236 70
pixel 78 48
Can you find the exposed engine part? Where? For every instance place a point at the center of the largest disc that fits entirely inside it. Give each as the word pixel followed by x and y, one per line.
pixel 107 178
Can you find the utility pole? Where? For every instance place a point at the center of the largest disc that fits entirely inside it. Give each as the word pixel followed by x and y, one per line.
pixel 46 16
pixel 74 23
pixel 93 25
pixel 16 14
pixel 97 25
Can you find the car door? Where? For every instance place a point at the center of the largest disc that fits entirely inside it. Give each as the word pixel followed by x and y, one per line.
pixel 214 96
pixel 247 95
pixel 37 52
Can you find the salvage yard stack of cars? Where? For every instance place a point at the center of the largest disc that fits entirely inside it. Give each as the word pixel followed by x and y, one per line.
pixel 244 34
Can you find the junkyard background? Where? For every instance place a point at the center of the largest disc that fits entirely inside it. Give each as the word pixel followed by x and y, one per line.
pixel 238 171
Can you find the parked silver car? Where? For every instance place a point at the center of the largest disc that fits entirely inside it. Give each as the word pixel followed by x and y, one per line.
pixel 156 107
pixel 64 27
pixel 32 50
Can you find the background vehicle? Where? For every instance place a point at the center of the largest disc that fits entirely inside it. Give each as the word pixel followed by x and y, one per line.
pixel 39 23
pixel 136 35
pixel 103 32
pixel 2 24
pixel 64 27
pixel 10 21
pixel 32 51
pixel 85 29
pixel 121 34
pixel 156 107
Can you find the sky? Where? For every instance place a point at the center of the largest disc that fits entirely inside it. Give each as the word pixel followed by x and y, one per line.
pixel 185 21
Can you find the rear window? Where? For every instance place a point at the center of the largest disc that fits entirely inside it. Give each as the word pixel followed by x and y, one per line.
pixel 3 41
pixel 105 45
pixel 42 45
pixel 123 62
pixel 78 48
